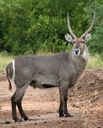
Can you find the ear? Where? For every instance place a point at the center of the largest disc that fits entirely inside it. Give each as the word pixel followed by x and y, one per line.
pixel 87 37
pixel 68 38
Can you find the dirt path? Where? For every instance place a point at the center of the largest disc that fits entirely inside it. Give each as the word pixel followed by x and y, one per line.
pixel 41 105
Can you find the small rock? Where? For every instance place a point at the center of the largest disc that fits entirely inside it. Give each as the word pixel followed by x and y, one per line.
pixel 76 105
pixel 7 122
pixel 35 123
pixel 45 122
pixel 94 99
pixel 79 87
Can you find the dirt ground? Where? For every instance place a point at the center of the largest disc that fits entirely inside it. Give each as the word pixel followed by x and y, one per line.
pixel 85 103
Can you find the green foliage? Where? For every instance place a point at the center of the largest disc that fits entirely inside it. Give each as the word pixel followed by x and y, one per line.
pixel 96 45
pixel 30 26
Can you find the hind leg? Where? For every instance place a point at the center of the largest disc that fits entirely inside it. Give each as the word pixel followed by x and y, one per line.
pixel 23 115
pixel 16 101
pixel 13 105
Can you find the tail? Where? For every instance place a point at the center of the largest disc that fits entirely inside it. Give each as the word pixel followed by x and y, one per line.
pixel 8 78
pixel 10 86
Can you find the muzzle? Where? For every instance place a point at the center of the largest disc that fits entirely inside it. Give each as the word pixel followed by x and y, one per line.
pixel 77 52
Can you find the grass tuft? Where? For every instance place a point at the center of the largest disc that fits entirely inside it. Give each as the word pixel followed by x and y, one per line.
pixel 95 61
pixel 4 60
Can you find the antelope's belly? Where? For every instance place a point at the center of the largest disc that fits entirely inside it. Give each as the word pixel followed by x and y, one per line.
pixel 44 82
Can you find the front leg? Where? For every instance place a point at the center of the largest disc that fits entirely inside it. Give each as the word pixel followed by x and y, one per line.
pixel 63 111
pixel 66 113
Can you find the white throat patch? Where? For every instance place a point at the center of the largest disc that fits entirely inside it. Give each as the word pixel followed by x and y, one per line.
pixel 85 55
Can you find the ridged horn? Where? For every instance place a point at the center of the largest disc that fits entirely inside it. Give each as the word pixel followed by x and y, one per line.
pixel 69 27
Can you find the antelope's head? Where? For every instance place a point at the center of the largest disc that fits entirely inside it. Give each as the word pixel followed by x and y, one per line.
pixel 79 44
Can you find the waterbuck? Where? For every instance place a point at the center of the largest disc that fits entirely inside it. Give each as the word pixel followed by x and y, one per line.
pixel 60 70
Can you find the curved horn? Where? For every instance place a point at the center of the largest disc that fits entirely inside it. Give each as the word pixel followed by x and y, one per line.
pixel 69 27
pixel 90 28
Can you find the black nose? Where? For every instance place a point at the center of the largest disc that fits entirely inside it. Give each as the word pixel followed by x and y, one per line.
pixel 76 51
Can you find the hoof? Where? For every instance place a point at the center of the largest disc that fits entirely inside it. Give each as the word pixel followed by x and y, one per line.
pixel 25 118
pixel 17 120
pixel 68 115
pixel 65 115
pixel 61 114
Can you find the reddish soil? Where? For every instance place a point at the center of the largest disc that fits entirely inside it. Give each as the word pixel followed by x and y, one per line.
pixel 85 103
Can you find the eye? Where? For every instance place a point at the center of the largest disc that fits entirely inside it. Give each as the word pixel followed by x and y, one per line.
pixel 82 42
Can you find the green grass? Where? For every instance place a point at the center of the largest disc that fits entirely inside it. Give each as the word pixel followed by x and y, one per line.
pixel 95 61
pixel 4 60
